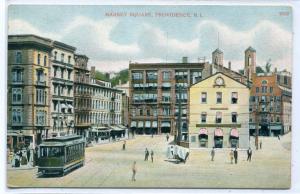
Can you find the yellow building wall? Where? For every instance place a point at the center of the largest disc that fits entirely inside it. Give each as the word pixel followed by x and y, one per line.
pixel 241 108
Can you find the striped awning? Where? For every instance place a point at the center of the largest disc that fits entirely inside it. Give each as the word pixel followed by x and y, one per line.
pixel 203 131
pixel 166 124
pixel 218 132
pixel 234 133
pixel 147 124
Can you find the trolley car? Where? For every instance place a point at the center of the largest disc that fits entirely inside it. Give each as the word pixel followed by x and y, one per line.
pixel 61 154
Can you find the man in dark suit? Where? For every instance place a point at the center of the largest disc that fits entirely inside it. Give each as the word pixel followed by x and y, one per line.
pixel 235 154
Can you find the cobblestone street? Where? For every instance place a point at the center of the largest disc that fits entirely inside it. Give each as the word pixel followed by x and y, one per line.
pixel 109 166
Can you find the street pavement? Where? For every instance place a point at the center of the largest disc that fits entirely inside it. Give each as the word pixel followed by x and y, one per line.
pixel 109 166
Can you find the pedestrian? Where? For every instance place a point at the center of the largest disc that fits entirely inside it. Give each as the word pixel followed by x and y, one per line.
pixel 249 153
pixel 146 154
pixel 124 145
pixel 235 154
pixel 278 137
pixel 167 137
pixel 96 138
pixel 152 154
pixel 133 171
pixel 260 144
pixel 231 156
pixel 212 153
pixel 28 154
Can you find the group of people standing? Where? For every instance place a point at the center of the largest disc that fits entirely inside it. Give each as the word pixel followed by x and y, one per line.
pixel 147 155
pixel 233 154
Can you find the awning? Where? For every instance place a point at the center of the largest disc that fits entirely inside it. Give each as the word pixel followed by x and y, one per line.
pixel 62 105
pixel 154 123
pixel 116 128
pixel 165 124
pixel 218 132
pixel 166 84
pixel 70 106
pixel 234 133
pixel 141 124
pixel 147 124
pixel 203 131
pixel 133 124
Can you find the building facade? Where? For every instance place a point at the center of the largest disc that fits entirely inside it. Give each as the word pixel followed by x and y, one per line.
pixel 219 113
pixel 82 95
pixel 270 103
pixel 62 92
pixel 28 106
pixel 154 90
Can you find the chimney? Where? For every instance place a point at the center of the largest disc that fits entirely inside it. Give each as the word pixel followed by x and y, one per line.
pixel 93 71
pixel 184 59
pixel 229 65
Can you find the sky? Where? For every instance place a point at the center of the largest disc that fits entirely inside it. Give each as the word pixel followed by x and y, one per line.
pixel 111 36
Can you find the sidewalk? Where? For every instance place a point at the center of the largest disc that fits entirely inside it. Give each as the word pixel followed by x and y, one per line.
pixel 22 167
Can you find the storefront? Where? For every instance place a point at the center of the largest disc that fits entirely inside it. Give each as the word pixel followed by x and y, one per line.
pixel 148 127
pixel 165 127
pixel 203 138
pixel 140 127
pixel 234 138
pixel 218 138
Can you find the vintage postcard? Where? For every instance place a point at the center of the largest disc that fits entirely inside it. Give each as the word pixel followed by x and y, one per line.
pixel 149 96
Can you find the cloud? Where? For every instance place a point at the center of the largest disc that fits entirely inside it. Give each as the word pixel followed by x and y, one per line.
pixel 152 44
pixel 268 38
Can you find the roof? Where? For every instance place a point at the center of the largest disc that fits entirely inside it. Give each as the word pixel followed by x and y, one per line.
pixel 218 51
pixel 222 74
pixel 250 49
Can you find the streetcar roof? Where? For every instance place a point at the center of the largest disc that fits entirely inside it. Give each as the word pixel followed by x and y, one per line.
pixel 63 140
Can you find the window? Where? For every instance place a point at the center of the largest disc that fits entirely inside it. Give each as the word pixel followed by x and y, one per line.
pixel 277 119
pixel 17 75
pixel 234 98
pixel 271 89
pixel 17 95
pixel 264 82
pixel 69 59
pixel 166 97
pixel 69 91
pixel 39 59
pixel 148 112
pixel 141 112
pixel 40 76
pixel 154 112
pixel 285 80
pixel 219 117
pixel 196 76
pixel 264 89
pixel 257 89
pixel 263 108
pixel 152 75
pixel 69 74
pixel 55 55
pixel 62 58
pixel 40 118
pixel 18 57
pixel 203 97
pixel 263 99
pixel 40 96
pixel 219 97
pixel 234 117
pixel 166 111
pixel 62 73
pixel 137 75
pixel 203 117
pixel 166 75
pixel 45 60
pixel 17 116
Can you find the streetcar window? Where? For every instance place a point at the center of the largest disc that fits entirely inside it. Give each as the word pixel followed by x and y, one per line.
pixel 51 151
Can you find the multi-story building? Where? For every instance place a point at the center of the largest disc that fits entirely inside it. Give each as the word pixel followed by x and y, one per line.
pixel 219 113
pixel 82 95
pixel 270 103
pixel 28 106
pixel 97 104
pixel 125 102
pixel 154 90
pixel 62 77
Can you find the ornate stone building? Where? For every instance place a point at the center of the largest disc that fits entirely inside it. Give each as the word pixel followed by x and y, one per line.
pixel 28 105
pixel 62 77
